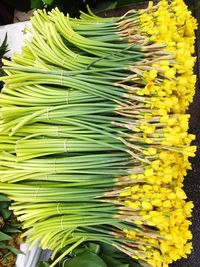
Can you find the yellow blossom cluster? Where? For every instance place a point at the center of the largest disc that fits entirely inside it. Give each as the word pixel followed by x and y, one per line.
pixel 165 209
pixel 173 25
pixel 168 86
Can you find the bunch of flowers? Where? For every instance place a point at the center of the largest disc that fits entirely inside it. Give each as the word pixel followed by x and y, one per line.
pixel 94 131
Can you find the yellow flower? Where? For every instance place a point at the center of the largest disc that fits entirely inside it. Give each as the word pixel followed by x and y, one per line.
pixel 190 151
pixel 150 4
pixel 180 193
pixel 150 151
pixel 156 202
pixel 170 72
pixel 167 204
pixel 188 208
pixel 148 172
pixel 156 164
pixel 150 76
pixel 147 205
pixel 172 196
pixel 134 205
pixel 126 192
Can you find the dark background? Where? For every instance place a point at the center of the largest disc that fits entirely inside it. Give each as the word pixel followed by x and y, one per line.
pixel 192 181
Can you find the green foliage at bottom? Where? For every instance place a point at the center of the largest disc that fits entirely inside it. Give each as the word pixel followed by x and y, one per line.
pixel 94 255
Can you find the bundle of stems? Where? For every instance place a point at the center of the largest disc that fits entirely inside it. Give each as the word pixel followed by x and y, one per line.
pixel 94 131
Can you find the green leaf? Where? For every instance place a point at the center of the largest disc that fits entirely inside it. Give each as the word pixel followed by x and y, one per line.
pixel 4 205
pixel 4 198
pixel 111 6
pixel 10 229
pixel 4 237
pixel 77 251
pixel 36 3
pixel 6 213
pixel 95 248
pixel 16 251
pixel 85 259
pixel 110 261
pixel 108 249
pixel 48 2
pixel 4 47
pixel 3 245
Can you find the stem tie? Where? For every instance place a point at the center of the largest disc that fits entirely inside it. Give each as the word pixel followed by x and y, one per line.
pixel 65 145
pixel 55 170
pixel 67 97
pixel 61 78
pixel 57 208
pixel 37 191
pixel 47 113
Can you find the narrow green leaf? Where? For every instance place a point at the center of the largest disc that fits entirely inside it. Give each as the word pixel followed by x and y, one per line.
pixel 111 6
pixel 95 248
pixel 4 237
pixel 4 198
pixel 110 261
pixel 86 259
pixel 6 213
pixel 4 46
pixel 4 205
pixel 108 249
pixel 3 245
pixel 16 251
pixel 77 251
pixel 10 229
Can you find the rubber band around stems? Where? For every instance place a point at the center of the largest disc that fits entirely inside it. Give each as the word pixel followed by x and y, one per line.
pixel 75 56
pixel 64 60
pixel 71 35
pixel 67 97
pixel 65 145
pixel 57 208
pixel 55 170
pixel 37 191
pixel 61 77
pixel 57 130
